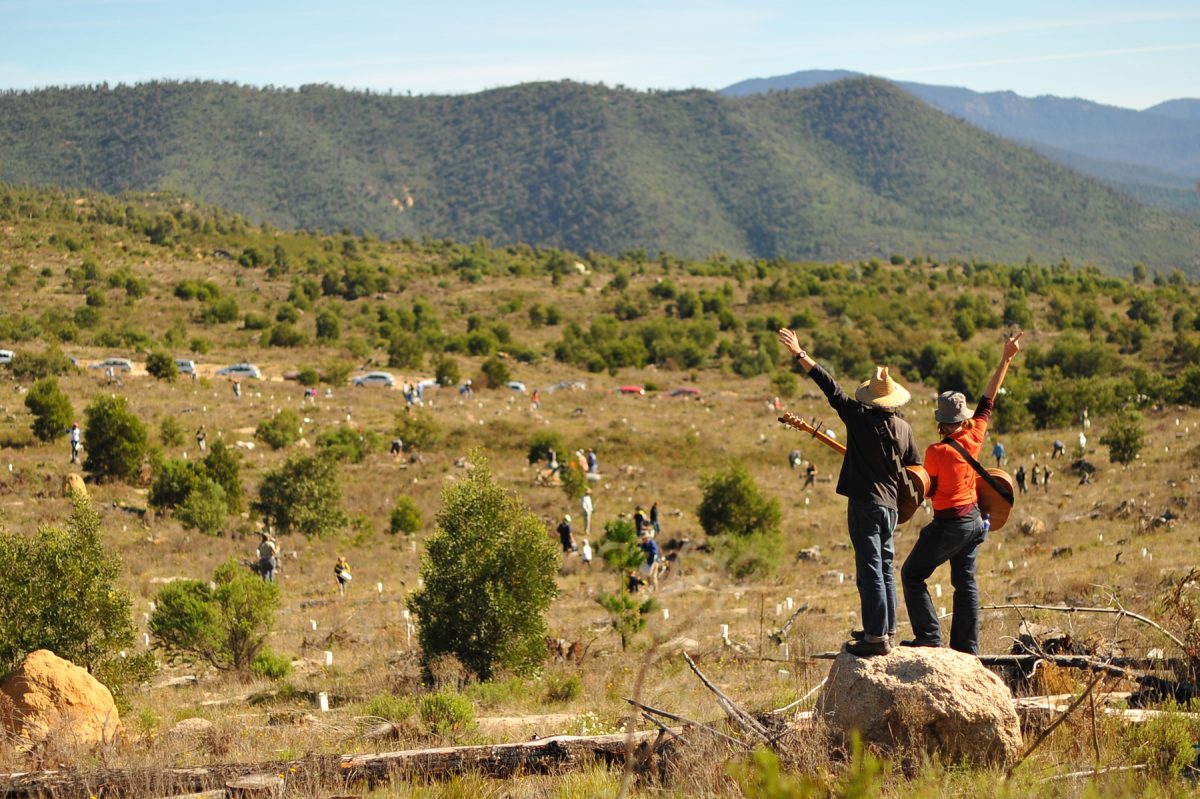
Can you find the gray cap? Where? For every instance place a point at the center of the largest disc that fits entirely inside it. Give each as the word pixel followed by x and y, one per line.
pixel 951 407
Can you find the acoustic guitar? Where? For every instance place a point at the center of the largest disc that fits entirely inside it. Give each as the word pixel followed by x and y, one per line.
pixel 914 484
pixel 991 502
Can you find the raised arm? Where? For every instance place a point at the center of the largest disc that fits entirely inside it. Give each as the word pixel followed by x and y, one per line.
pixel 1012 345
pixel 788 339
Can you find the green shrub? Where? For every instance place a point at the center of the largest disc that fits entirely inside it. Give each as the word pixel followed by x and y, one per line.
pixel 284 334
pixel 619 547
pixel 337 372
pixel 170 431
pixel 39 365
pixel 281 430
pixel 563 687
pixel 254 321
pixel 224 626
pixel 486 544
pixel 223 466
pixel 51 409
pixel 271 666
pixel 174 480
pixel 574 480
pixel 389 707
pixel 115 440
pixel 540 444
pixel 308 377
pixel 496 372
pixel 733 504
pixel 627 613
pixel 204 508
pixel 447 371
pixel 329 328
pixel 302 496
pixel 418 429
pixel 447 712
pixel 347 444
pixel 162 366
pixel 406 517
pixel 785 384
pixel 1124 437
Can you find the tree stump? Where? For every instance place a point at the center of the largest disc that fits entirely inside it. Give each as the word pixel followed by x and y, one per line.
pixel 254 786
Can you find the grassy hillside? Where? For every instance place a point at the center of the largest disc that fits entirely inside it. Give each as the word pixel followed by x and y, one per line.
pixel 99 276
pixel 853 169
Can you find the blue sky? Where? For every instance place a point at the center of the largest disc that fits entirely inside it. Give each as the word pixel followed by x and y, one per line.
pixel 1121 53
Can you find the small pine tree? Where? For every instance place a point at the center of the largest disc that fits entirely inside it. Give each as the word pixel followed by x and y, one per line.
pixel 162 366
pixel 302 496
pixel 406 517
pixel 489 573
pixel 281 430
pixel 51 409
pixel 116 440
pixel 224 467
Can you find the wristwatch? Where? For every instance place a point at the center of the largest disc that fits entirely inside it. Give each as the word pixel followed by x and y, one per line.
pixel 801 354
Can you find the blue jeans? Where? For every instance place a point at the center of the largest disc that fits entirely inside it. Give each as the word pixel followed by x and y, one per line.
pixel 871 527
pixel 957 541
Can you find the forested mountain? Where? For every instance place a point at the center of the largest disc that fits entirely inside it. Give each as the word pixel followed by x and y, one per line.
pixel 852 169
pixel 1153 155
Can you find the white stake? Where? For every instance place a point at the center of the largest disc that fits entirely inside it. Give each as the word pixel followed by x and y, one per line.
pixel 379 587
pixel 313 623
pixel 789 603
pixel 323 699
pixel 937 590
pixel 328 657
pixel 666 614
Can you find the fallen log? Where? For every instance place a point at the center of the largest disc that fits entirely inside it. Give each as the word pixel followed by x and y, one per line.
pixel 498 760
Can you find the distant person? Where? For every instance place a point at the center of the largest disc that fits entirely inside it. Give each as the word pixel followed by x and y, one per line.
pixel 1020 477
pixel 1035 475
pixel 649 567
pixel 998 453
pixel 1046 480
pixel 640 520
pixel 958 529
pixel 1060 450
pixel 552 462
pixel 1084 420
pixel 810 475
pixel 1082 444
pixel 564 534
pixel 465 389
pixel 535 401
pixel 586 552
pixel 591 461
pixel 201 439
pixel 341 570
pixel 588 508
pixel 795 459
pixel 654 519
pixel 879 445
pixel 75 439
pixel 397 448
pixel 268 557
pixel 237 389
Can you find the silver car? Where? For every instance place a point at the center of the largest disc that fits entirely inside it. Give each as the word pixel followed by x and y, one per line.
pixel 384 379
pixel 240 370
pixel 116 364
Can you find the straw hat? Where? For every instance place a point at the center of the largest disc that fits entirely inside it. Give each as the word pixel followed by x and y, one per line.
pixel 882 391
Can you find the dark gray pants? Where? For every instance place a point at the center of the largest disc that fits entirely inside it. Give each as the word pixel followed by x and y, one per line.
pixel 957 541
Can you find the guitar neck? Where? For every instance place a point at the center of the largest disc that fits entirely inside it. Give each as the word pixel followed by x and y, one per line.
pixel 796 423
pixel 836 446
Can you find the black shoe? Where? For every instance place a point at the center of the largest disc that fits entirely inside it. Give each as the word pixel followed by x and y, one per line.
pixel 866 649
pixel 919 643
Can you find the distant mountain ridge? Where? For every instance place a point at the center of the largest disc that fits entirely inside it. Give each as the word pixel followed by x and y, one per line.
pixel 1153 154
pixel 853 169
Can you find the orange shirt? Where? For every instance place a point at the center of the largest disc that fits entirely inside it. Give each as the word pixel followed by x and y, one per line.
pixel 955 479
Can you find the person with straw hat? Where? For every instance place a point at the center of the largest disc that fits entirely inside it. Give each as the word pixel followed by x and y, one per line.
pixel 879 444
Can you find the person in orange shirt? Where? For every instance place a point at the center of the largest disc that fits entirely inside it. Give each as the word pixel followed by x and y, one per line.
pixel 957 529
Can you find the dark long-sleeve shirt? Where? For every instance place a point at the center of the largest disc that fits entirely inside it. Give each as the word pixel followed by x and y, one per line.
pixel 870 472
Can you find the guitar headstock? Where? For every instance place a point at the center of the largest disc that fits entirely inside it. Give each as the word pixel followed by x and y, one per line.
pixel 795 422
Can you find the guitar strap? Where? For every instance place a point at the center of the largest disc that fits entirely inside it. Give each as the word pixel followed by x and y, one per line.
pixel 996 485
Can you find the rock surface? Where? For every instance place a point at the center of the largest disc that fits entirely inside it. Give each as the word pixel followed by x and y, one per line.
pixel 940 700
pixel 47 695
pixel 191 726
pixel 73 484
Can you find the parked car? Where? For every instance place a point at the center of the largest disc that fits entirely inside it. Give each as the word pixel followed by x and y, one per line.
pixel 574 385
pixel 384 379
pixel 116 364
pixel 185 366
pixel 633 390
pixel 515 385
pixel 6 356
pixel 240 370
pixel 685 391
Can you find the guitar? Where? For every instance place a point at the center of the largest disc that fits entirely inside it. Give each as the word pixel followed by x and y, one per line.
pixel 913 487
pixel 991 502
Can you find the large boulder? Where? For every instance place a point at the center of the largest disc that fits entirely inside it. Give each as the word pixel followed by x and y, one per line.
pixel 940 700
pixel 47 696
pixel 73 484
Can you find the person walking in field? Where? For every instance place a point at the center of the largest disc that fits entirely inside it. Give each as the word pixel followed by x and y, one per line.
pixel 585 552
pixel 650 566
pixel 201 439
pixel 341 570
pixel 998 454
pixel 1020 478
pixel 957 529
pixel 237 389
pixel 1046 480
pixel 810 475
pixel 879 444
pixel 588 508
pixel 564 534
pixel 76 436
pixel 268 557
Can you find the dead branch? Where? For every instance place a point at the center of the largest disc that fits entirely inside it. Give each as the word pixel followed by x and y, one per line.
pixel 691 722
pixel 791 705
pixel 1116 611
pixel 782 632
pixel 748 723
pixel 1052 727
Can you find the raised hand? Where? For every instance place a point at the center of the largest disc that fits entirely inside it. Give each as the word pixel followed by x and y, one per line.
pixel 788 339
pixel 1012 345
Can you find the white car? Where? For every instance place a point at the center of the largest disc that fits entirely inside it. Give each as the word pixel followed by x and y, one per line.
pixel 116 364
pixel 240 370
pixel 185 366
pixel 6 356
pixel 384 379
